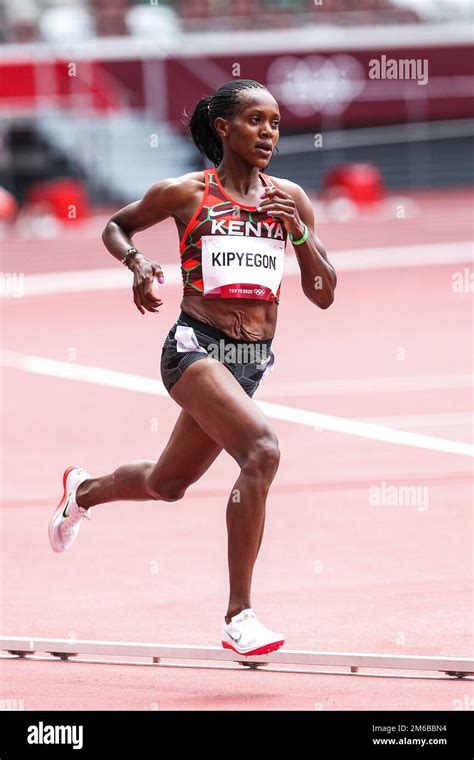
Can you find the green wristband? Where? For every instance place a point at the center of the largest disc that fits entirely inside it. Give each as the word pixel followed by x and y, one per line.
pixel 302 239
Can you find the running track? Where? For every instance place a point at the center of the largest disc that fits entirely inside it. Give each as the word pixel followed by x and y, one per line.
pixel 335 572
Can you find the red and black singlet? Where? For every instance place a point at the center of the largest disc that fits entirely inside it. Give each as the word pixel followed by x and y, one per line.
pixel 229 250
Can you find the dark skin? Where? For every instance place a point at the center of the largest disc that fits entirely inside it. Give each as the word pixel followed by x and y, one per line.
pixel 199 435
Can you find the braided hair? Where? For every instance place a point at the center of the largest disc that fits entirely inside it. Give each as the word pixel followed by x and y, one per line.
pixel 223 103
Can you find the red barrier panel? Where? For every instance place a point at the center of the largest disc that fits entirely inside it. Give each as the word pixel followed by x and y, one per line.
pixel 65 199
pixel 8 206
pixel 362 183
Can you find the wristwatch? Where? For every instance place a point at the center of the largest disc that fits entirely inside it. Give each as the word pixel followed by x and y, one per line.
pixel 127 253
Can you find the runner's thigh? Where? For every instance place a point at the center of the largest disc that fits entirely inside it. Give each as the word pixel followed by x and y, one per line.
pixel 212 395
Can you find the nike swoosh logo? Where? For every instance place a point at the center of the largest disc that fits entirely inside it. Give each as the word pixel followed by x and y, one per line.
pixel 234 639
pixel 213 213
pixel 64 510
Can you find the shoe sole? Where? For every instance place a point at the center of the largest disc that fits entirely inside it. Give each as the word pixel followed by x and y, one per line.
pixel 265 649
pixel 59 509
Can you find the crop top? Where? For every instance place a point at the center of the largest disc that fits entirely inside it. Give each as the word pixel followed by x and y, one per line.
pixel 229 250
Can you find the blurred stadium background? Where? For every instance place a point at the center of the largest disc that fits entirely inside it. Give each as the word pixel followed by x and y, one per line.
pixel 94 91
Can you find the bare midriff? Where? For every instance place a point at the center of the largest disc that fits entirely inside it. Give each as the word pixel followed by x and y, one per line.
pixel 240 318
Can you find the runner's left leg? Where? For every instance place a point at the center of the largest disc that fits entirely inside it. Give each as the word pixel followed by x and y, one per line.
pixel 186 457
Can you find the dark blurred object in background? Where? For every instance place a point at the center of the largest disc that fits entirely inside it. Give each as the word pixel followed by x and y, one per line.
pixel 19 21
pixel 110 17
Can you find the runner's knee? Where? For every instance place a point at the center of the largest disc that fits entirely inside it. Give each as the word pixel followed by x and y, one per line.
pixel 262 457
pixel 167 490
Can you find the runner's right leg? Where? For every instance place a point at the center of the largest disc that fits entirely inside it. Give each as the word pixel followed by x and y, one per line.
pixel 214 397
pixel 186 457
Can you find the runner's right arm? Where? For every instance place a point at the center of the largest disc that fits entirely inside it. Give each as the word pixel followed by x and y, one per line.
pixel 158 203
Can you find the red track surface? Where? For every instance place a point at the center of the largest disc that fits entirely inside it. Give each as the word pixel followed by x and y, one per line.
pixel 334 573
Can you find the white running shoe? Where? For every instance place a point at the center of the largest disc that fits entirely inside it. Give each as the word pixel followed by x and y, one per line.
pixel 246 635
pixel 66 520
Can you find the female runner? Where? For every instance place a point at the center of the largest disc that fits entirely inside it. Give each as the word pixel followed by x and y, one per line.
pixel 233 222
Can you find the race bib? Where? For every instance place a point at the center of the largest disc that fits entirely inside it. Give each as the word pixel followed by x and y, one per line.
pixel 241 267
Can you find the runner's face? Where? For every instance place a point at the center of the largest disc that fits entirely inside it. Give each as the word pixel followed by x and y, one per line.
pixel 253 131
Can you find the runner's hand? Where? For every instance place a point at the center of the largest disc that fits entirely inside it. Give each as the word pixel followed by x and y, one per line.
pixel 144 274
pixel 279 204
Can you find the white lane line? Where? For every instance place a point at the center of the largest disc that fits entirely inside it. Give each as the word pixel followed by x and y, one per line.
pixel 306 417
pixel 442 419
pixel 394 257
pixel 83 372
pixel 364 429
pixel 348 386
pixel 358 259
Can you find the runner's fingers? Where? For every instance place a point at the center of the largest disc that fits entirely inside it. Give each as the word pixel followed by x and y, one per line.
pixel 137 301
pixel 148 303
pixel 148 297
pixel 275 192
pixel 148 293
pixel 278 209
pixel 269 203
pixel 280 212
pixel 158 273
pixel 142 300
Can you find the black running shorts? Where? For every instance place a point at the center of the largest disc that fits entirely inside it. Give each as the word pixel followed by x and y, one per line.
pixel 190 340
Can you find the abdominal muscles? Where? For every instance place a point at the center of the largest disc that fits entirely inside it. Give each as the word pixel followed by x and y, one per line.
pixel 240 318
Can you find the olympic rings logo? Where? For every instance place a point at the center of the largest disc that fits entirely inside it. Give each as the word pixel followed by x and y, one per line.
pixel 315 83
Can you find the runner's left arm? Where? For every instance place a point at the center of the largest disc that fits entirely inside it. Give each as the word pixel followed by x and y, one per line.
pixel 318 277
